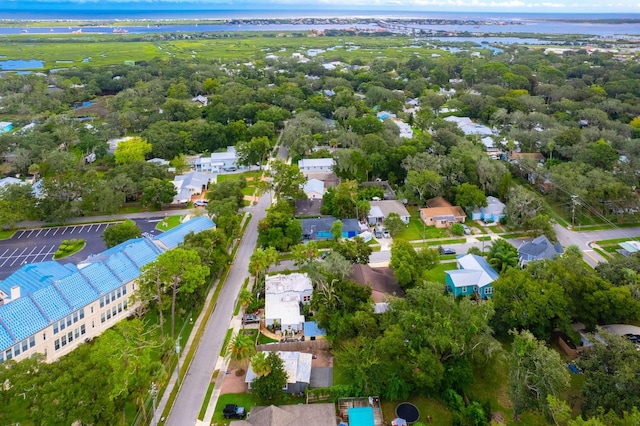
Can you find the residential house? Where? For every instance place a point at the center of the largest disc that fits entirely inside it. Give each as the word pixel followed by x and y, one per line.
pixel 306 207
pixel 375 215
pixel 10 181
pixel 320 228
pixel 515 157
pixel 382 281
pixel 629 247
pixel 469 127
pixel 193 183
pixel 406 131
pixel 314 189
pixel 473 277
pixel 442 217
pixel 493 212
pixel 202 101
pixel 5 126
pixel 297 365
pixel 113 143
pixel 308 165
pixel 386 207
pixel 283 295
pixel 539 248
pixel 290 415
pixel 51 307
pixel 218 161
pixel 158 161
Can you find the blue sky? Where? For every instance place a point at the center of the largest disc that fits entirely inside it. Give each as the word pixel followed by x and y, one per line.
pixel 536 6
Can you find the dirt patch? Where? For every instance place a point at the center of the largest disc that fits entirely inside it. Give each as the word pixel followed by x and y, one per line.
pixel 232 383
pixel 322 358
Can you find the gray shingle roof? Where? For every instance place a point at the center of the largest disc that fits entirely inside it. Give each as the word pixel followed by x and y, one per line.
pixel 540 248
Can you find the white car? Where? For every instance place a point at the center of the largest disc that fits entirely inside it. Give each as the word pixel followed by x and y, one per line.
pixel 200 203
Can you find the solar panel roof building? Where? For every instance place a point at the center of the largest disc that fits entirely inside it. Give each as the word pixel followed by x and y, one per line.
pixel 50 308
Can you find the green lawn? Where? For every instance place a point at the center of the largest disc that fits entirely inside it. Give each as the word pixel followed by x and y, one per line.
pixel 250 176
pixel 437 274
pixel 6 234
pixel 169 222
pixel 223 350
pixel 440 415
pixel 248 400
pixel 416 230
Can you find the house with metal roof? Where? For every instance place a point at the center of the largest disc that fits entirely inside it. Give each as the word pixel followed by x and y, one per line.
pixel 473 277
pixel 5 126
pixel 314 189
pixel 297 365
pixel 218 161
pixel 320 228
pixel 283 295
pixel 193 183
pixel 493 212
pixel 316 165
pixel 50 307
pixel 539 248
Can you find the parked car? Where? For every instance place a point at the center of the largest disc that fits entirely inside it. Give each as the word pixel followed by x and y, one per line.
pixel 447 250
pixel 232 411
pixel 325 254
pixel 467 231
pixel 231 169
pixel 377 233
pixel 386 234
pixel 200 203
pixel 250 319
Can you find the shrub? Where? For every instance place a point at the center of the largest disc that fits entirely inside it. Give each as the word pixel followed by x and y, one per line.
pixel 457 229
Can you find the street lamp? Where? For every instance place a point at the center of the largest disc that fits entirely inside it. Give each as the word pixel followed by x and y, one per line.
pixel 154 394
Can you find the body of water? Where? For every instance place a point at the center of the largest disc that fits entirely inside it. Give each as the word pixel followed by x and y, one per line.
pixel 20 64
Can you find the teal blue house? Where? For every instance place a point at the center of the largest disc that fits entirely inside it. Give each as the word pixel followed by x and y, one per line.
pixel 472 278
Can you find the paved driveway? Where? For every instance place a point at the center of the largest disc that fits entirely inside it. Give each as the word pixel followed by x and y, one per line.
pixel 39 244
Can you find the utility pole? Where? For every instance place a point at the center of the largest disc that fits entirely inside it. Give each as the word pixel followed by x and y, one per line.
pixel 154 395
pixel 573 209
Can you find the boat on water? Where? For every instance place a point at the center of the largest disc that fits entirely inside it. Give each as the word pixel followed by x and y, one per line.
pixel 24 30
pixel 78 31
pixel 120 31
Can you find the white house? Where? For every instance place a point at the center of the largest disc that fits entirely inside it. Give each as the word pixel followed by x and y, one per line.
pixel 217 161
pixel 193 183
pixel 283 295
pixel 297 365
pixel 10 181
pixel 316 165
pixel 200 100
pixel 469 127
pixel 314 188
pixel 385 207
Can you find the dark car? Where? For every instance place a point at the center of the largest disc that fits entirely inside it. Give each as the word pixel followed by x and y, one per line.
pixel 232 411
pixel 447 250
pixel 250 319
pixel 325 254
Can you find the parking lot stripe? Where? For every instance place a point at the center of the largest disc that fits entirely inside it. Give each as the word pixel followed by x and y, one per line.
pixel 29 236
pixel 56 231
pixel 49 252
pixel 2 255
pixel 21 234
pixel 41 229
pixel 47 233
pixel 9 257
pixel 18 257
pixel 31 252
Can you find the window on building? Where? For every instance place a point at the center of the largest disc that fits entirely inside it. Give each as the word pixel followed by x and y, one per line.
pixel 70 336
pixel 82 313
pixel 114 310
pixel 124 289
pixel 102 317
pixel 109 314
pixel 119 307
pixel 83 330
pixel 32 341
pixel 25 346
pixel 69 322
pixel 62 325
pixel 1 357
pixel 16 349
pixel 56 344
pixel 92 309
pixel 55 328
pixel 93 324
pixel 44 336
pixel 306 299
pixel 101 302
pixel 488 290
pixel 76 333
pixel 75 317
pixel 124 305
pixel 63 341
pixel 464 289
pixel 8 354
pixel 119 292
pixel 113 295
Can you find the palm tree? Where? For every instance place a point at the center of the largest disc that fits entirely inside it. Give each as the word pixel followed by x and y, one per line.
pixel 502 255
pixel 245 298
pixel 261 260
pixel 240 350
pixel 260 365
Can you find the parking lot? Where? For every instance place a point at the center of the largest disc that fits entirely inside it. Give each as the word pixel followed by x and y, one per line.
pixel 39 245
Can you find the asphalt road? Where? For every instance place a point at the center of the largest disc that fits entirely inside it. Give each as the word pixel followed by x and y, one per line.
pixel 583 239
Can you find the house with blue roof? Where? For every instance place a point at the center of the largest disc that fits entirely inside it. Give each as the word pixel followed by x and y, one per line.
pixel 472 278
pixel 50 307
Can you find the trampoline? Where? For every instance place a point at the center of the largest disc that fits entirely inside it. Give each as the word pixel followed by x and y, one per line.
pixel 408 411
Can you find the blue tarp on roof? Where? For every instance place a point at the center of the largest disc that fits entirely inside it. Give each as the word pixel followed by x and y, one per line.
pixel 311 329
pixel 101 277
pixel 35 276
pixel 175 236
pixel 76 290
pixel 52 303
pixel 23 318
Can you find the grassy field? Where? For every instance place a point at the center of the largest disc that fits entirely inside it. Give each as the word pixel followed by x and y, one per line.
pixel 437 274
pixel 5 234
pixel 416 230
pixel 440 415
pixel 109 49
pixel 248 400
pixel 169 222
